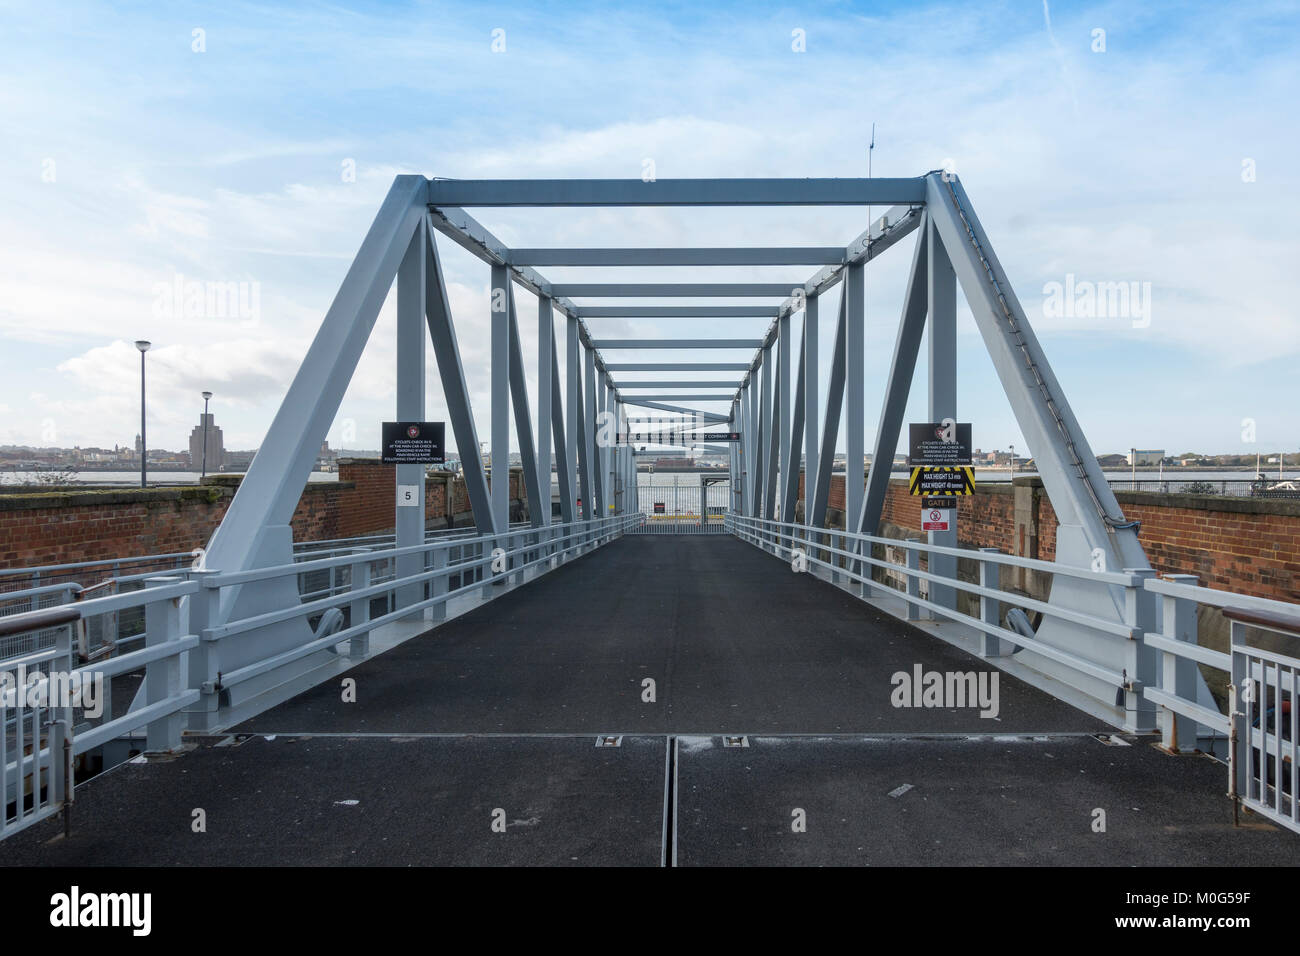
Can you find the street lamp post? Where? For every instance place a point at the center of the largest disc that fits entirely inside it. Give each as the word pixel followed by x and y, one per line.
pixel 1012 463
pixel 143 346
pixel 206 396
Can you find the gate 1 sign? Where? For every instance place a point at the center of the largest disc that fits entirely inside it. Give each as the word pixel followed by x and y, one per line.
pixel 413 443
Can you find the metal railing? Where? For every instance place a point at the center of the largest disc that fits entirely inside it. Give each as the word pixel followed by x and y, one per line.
pixel 1265 770
pixel 55 711
pixel 1160 678
pixel 444 569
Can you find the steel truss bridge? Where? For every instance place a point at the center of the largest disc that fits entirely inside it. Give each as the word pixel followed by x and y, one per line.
pixel 589 688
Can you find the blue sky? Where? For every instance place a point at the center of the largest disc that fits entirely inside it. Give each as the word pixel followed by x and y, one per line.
pixel 131 159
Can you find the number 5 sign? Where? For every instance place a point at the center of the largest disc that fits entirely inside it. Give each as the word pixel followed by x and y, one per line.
pixel 408 496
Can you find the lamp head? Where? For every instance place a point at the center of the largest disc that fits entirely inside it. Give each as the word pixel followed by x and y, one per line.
pixel 143 345
pixel 206 396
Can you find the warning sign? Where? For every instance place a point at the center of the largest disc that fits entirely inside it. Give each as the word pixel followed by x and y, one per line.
pixel 936 519
pixel 943 480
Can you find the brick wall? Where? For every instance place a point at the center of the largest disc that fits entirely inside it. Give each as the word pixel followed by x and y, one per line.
pixel 42 526
pixel 1247 545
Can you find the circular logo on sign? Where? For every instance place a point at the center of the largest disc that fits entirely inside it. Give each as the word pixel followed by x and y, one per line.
pixel 413 431
pixel 936 515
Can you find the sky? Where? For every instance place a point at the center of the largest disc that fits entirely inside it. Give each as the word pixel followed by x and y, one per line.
pixel 146 146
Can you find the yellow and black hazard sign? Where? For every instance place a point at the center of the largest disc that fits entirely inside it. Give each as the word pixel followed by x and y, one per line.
pixel 942 480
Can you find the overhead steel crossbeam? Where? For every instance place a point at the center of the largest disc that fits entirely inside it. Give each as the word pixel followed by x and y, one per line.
pixel 662 290
pixel 680 311
pixel 679 384
pixel 676 192
pixel 739 256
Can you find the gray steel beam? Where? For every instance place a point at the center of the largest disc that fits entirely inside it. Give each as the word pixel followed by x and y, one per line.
pixel 662 290
pixel 810 402
pixel 702 415
pixel 942 286
pixel 796 430
pixel 270 491
pixel 767 447
pixel 566 468
pixel 499 305
pixel 678 311
pixel 831 425
pixel 907 345
pixel 524 426
pixel 678 367
pixel 782 470
pixel 1078 490
pixel 676 192
pixel 545 358
pixel 738 256
pixel 677 383
pixel 576 447
pixel 679 397
pixel 855 289
pixel 447 353
pixel 676 343
pixel 408 520
pixel 589 435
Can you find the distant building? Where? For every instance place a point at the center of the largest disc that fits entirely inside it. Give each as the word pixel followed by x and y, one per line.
pixel 1112 461
pixel 1146 456
pixel 216 451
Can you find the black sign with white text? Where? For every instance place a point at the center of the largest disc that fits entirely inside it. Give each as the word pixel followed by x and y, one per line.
pixel 413 443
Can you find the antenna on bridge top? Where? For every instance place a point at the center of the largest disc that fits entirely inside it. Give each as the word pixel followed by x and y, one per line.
pixel 871 148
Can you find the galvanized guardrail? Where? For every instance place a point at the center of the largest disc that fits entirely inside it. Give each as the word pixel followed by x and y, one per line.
pixel 46 720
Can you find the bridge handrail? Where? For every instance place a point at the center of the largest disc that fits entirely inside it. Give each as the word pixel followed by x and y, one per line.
pixel 230 578
pixel 1120 578
pixel 914 600
pixel 580 530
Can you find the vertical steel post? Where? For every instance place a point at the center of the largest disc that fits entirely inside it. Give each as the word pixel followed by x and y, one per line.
pixel 783 418
pixel 575 445
pixel 162 678
pixel 1178 677
pixel 596 506
pixel 943 388
pixel 766 480
pixel 545 345
pixel 855 291
pixel 408 518
pixel 991 608
pixel 811 403
pixel 500 491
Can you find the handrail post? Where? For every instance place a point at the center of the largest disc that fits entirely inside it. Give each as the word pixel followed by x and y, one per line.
pixel 204 660
pixel 1178 674
pixel 359 608
pixel 913 582
pixel 438 585
pixel 1139 660
pixel 162 678
pixel 991 608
